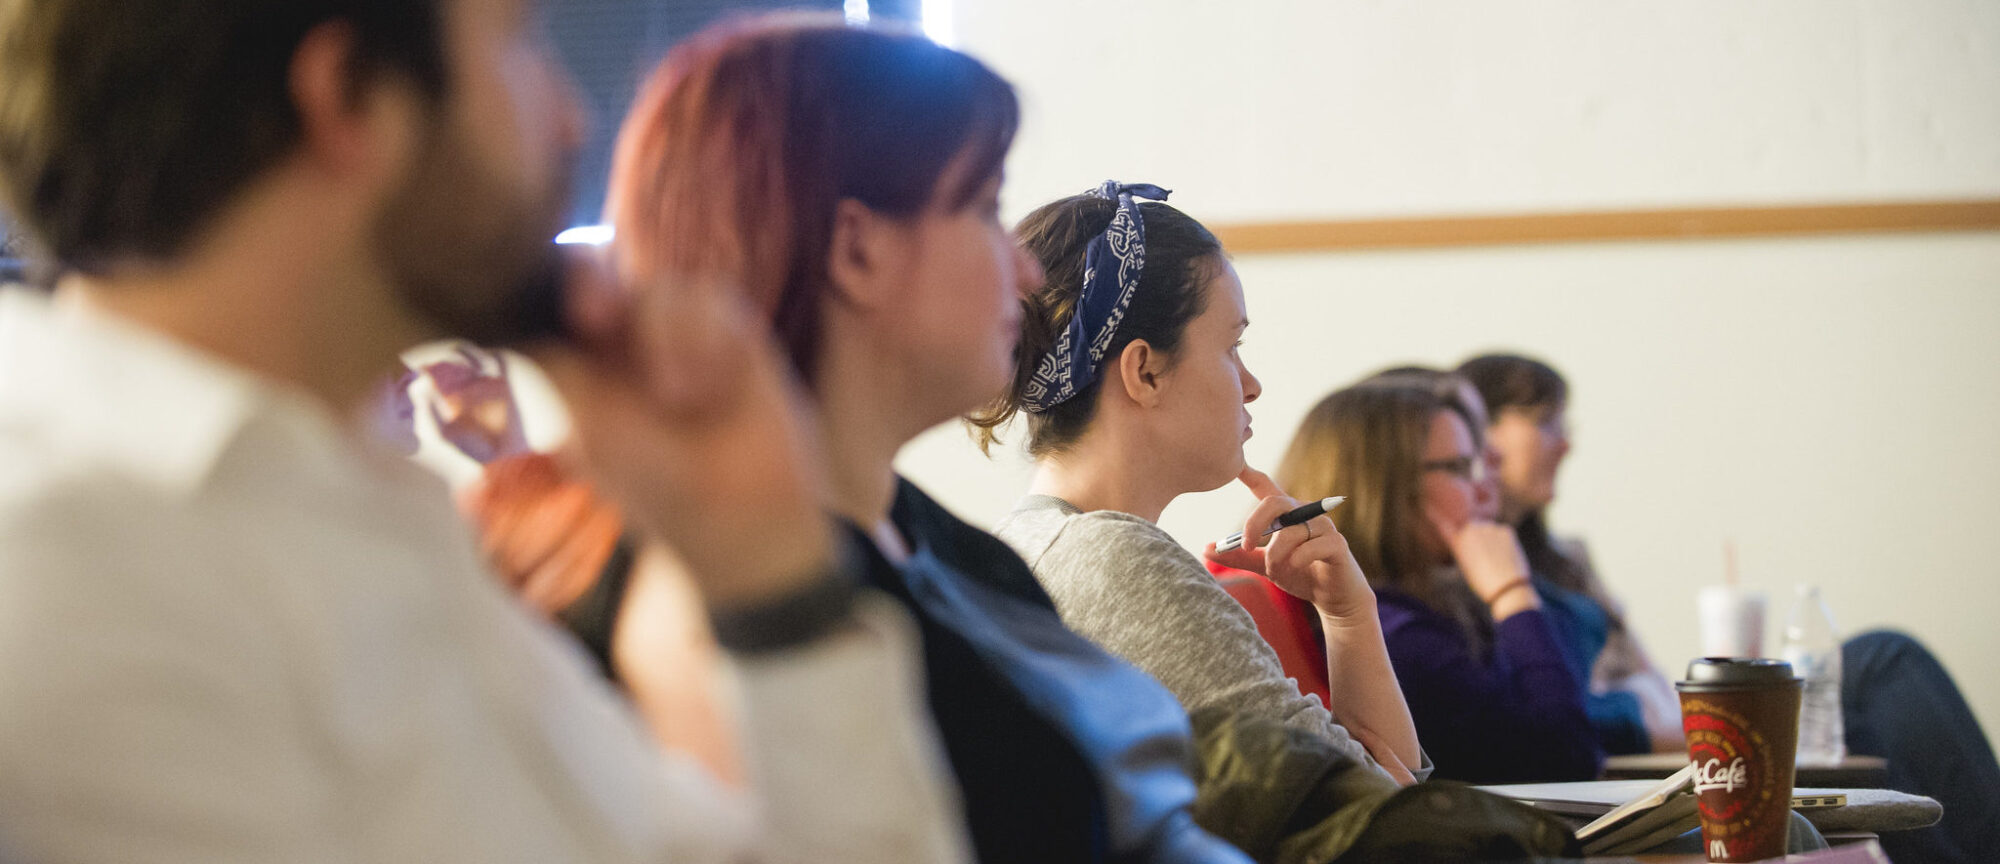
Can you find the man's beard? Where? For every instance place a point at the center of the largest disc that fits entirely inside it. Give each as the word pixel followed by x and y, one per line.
pixel 469 257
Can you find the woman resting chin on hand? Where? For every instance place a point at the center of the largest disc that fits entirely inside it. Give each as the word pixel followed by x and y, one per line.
pixel 1158 412
pixel 1485 681
pixel 1490 559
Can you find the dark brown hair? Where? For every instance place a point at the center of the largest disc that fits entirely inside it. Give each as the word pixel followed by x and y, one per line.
pixel 1511 381
pixel 1448 386
pixel 125 125
pixel 1181 258
pixel 1367 442
pixel 1514 381
pixel 737 153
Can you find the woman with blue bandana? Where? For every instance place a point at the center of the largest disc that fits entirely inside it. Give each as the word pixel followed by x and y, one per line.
pixel 1135 394
pixel 847 181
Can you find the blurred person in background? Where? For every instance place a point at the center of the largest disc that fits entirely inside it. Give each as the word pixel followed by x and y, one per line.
pixel 1897 700
pixel 846 180
pixel 1632 704
pixel 1472 649
pixel 564 550
pixel 472 404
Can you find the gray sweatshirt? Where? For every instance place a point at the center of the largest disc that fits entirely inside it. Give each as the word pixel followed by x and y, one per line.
pixel 1125 584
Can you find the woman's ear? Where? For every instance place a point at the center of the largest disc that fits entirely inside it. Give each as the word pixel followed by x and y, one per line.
pixel 1141 368
pixel 866 254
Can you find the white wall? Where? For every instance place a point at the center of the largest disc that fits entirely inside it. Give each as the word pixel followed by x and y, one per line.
pixel 1257 109
pixel 1829 403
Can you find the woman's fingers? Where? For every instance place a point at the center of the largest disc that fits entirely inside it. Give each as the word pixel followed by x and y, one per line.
pixel 1288 562
pixel 577 562
pixel 1329 548
pixel 1272 503
pixel 1385 755
pixel 1446 532
pixel 1263 517
pixel 1489 556
pixel 1248 558
pixel 1322 526
pixel 687 415
pixel 1259 483
pixel 1286 543
pixel 1288 555
pixel 1318 540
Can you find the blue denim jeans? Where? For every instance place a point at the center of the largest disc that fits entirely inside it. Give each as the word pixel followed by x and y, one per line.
pixel 1900 704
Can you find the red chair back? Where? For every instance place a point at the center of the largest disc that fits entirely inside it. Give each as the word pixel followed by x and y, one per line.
pixel 1289 624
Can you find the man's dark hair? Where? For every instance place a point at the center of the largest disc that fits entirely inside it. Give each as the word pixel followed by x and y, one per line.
pixel 125 125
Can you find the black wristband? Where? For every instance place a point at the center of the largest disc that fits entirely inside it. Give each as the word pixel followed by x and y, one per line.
pixel 796 618
pixel 593 618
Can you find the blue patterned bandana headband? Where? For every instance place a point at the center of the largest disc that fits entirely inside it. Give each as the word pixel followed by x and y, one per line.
pixel 1111 267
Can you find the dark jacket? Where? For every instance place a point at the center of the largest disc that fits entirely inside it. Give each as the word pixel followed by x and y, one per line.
pixel 1512 714
pixel 1288 797
pixel 1061 751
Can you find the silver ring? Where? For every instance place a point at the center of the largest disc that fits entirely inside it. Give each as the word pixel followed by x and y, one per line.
pixel 1309 529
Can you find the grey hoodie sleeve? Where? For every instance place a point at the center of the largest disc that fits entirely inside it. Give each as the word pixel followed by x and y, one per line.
pixel 1125 584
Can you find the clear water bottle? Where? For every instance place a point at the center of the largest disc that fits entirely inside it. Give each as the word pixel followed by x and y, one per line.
pixel 1812 646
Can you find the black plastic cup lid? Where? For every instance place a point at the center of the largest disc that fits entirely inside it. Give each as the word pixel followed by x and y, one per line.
pixel 1718 673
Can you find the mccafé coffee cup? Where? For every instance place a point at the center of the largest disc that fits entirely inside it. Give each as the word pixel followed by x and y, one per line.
pixel 1741 717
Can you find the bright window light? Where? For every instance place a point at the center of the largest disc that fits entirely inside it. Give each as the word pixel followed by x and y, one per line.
pixel 937 21
pixel 856 11
pixel 589 235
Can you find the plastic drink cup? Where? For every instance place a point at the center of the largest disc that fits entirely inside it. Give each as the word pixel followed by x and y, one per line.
pixel 1741 716
pixel 1732 621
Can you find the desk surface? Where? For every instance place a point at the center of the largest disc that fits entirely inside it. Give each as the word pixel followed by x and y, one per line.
pixel 1860 853
pixel 1853 772
pixel 1866 852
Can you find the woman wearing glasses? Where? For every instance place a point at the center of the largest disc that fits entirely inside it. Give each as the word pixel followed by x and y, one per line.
pixel 1896 698
pixel 1485 679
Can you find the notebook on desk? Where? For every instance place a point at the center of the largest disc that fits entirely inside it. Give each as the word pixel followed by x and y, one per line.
pixel 1629 816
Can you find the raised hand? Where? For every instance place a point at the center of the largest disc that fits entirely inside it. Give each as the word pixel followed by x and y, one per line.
pixel 475 408
pixel 1310 561
pixel 1490 557
pixel 390 415
pixel 544 533
pixel 685 414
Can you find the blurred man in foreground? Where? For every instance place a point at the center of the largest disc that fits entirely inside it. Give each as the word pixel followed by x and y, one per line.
pixel 229 631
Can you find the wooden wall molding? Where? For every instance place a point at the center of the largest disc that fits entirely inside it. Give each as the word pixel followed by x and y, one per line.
pixel 1606 225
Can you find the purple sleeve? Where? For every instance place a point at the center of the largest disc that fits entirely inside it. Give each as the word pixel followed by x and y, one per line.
pixel 1513 717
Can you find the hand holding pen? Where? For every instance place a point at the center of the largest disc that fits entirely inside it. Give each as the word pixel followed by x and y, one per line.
pixel 1299 515
pixel 685 413
pixel 1308 558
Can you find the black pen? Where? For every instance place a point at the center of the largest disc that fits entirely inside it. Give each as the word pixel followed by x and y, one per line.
pixel 1297 516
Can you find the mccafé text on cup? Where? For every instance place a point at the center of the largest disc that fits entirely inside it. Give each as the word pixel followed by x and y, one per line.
pixel 1741 717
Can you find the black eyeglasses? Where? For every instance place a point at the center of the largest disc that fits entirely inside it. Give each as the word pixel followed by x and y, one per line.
pixel 1468 468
